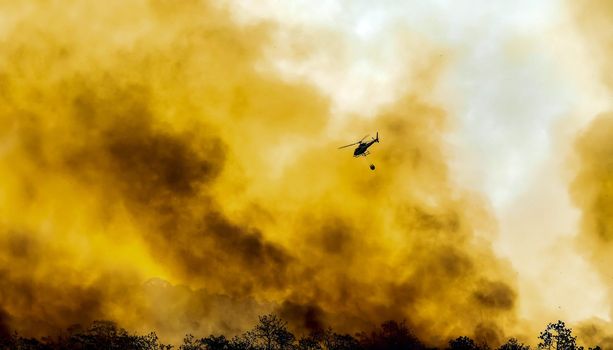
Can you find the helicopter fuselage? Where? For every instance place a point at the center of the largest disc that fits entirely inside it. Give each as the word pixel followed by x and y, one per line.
pixel 362 148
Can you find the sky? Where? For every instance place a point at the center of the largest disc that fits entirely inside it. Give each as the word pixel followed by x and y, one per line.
pixel 175 166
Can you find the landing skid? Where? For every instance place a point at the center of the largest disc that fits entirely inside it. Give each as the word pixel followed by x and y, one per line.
pixel 362 155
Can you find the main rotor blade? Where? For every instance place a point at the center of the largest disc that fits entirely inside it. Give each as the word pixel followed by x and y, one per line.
pixel 362 138
pixel 355 143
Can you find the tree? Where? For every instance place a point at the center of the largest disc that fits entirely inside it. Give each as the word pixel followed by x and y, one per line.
pixel 216 343
pixel 103 335
pixel 337 341
pixel 270 334
pixel 557 337
pixel 242 343
pixel 309 343
pixel 190 343
pixel 328 340
pixel 465 343
pixel 391 335
pixel 513 344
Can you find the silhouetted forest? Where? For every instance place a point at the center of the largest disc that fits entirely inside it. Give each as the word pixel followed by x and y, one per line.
pixel 271 333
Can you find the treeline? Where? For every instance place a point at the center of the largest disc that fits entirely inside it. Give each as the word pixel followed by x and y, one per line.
pixel 271 333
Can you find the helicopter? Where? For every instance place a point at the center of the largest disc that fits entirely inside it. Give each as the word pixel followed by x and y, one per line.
pixel 362 149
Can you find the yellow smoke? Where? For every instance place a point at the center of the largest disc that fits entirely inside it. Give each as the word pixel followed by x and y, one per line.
pixel 592 187
pixel 154 173
pixel 592 190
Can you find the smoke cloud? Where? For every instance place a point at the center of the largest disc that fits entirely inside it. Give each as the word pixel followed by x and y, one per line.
pixel 145 181
pixel 592 186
